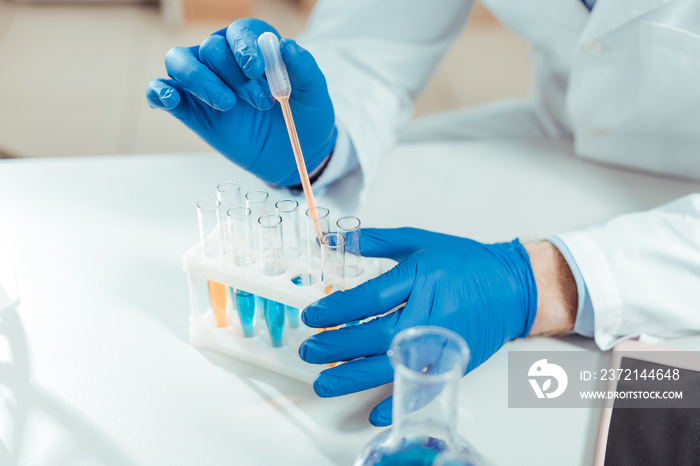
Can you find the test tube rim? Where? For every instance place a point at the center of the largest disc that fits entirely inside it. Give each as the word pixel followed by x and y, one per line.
pixel 219 190
pixel 265 198
pixel 277 223
pixel 318 209
pixel 296 206
pixel 333 247
pixel 238 207
pixel 208 209
pixel 359 223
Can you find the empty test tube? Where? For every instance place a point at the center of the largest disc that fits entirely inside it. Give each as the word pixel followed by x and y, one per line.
pixel 258 201
pixel 209 233
pixel 270 230
pixel 288 211
pixel 313 248
pixel 349 227
pixel 229 195
pixel 240 229
pixel 210 240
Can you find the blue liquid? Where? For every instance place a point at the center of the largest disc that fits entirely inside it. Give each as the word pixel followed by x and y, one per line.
pixel 417 452
pixel 413 455
pixel 274 318
pixel 293 316
pixel 245 303
pixel 260 306
pixel 304 279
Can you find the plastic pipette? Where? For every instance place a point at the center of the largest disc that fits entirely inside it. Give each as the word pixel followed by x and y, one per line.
pixel 277 78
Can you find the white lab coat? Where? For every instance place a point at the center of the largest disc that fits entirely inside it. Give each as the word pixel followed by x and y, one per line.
pixel 623 81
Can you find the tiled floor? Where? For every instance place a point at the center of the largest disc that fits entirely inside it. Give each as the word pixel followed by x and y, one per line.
pixel 73 78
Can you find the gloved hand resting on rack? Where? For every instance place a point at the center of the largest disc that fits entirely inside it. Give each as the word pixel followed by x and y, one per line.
pixel 219 91
pixel 487 293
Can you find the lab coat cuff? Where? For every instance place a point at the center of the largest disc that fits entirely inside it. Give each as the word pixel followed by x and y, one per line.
pixel 584 324
pixel 601 288
pixel 343 160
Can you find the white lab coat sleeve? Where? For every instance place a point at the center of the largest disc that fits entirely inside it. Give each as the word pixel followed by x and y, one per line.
pixel 343 160
pixel 642 272
pixel 377 56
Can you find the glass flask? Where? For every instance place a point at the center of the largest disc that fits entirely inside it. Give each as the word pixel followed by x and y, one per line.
pixel 428 363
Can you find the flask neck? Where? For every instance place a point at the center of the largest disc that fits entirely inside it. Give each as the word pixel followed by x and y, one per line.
pixel 428 364
pixel 425 405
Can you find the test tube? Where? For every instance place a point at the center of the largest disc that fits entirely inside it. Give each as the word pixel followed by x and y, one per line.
pixel 258 201
pixel 240 232
pixel 218 297
pixel 293 316
pixel 313 248
pixel 332 267
pixel 333 262
pixel 288 210
pixel 229 195
pixel 209 231
pixel 245 304
pixel 270 229
pixel 349 227
pixel 210 240
pixel 274 319
pixel 239 222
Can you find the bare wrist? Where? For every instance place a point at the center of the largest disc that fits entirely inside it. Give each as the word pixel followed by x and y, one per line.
pixel 557 295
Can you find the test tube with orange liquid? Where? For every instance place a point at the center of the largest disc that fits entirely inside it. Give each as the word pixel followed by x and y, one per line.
pixel 208 214
pixel 332 266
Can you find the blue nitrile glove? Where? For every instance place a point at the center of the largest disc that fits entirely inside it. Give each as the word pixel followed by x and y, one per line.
pixel 219 91
pixel 484 292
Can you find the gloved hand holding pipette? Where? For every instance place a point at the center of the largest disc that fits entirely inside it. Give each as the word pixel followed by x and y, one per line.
pixel 218 90
pixel 484 292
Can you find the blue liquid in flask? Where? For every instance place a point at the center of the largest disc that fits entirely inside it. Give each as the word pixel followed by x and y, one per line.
pixel 417 452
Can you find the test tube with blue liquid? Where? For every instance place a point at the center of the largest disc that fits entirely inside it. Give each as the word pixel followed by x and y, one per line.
pixel 258 201
pixel 270 231
pixel 288 211
pixel 239 227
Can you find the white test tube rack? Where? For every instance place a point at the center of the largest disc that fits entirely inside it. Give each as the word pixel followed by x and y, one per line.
pixel 258 350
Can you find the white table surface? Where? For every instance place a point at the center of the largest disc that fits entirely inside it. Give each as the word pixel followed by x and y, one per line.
pixel 96 368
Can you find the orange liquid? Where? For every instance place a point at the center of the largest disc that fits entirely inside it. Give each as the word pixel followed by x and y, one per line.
pixel 218 296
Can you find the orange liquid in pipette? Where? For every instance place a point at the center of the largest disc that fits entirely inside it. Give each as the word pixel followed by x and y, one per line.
pixel 218 296
pixel 301 165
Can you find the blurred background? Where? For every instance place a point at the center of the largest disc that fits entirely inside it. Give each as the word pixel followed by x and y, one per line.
pixel 73 73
